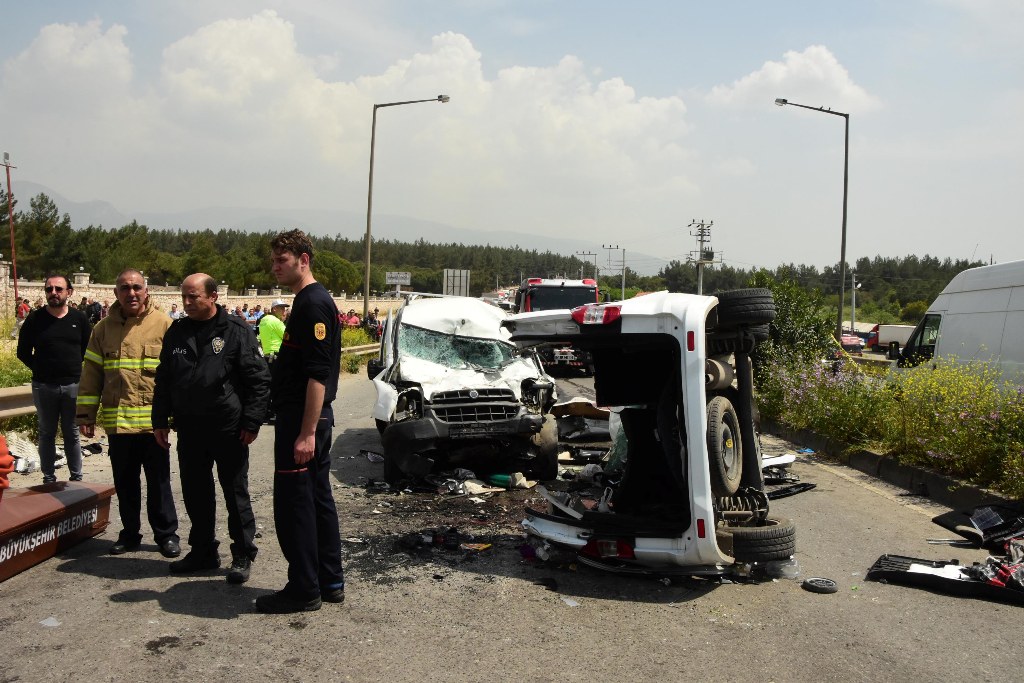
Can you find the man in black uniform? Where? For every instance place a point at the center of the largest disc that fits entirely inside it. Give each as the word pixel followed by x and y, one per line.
pixel 212 387
pixel 51 344
pixel 305 381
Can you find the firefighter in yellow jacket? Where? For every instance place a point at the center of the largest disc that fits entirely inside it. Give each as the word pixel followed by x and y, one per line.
pixel 116 392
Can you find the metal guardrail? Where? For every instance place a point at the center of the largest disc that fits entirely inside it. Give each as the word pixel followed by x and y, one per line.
pixel 16 401
pixel 363 350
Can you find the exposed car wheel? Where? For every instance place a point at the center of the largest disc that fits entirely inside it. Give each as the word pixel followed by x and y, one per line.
pixel 739 307
pixel 545 448
pixel 776 540
pixel 725 447
pixel 381 426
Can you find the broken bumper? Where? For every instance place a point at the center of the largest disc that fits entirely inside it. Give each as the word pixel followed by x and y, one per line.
pixel 409 443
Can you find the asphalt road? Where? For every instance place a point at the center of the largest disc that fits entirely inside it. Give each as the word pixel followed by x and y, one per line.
pixel 495 616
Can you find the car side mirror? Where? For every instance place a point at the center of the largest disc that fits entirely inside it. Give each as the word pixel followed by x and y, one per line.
pixel 374 367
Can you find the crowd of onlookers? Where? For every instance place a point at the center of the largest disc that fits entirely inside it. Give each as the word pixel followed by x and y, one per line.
pixel 95 311
pixel 372 322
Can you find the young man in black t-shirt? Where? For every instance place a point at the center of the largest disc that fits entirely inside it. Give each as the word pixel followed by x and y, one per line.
pixel 51 344
pixel 304 382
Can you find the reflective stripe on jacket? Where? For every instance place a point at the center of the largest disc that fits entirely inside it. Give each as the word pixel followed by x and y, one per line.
pixel 119 370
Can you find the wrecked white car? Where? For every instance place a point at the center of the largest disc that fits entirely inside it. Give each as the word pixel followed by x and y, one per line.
pixel 676 368
pixel 452 388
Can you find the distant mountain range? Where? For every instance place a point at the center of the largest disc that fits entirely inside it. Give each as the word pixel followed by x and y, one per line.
pixel 313 221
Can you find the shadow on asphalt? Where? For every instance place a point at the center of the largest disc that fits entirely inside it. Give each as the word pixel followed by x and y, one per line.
pixel 92 557
pixel 388 559
pixel 210 598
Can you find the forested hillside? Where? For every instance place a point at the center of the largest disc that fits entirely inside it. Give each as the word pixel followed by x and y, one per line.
pixel 892 288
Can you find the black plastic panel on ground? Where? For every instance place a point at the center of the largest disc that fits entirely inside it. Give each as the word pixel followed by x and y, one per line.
pixel 897 569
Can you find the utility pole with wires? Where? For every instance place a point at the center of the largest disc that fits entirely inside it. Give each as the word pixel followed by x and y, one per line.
pixel 610 247
pixel 704 255
pixel 10 223
pixel 590 253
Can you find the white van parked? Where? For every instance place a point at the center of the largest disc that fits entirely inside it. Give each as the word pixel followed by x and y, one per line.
pixel 979 316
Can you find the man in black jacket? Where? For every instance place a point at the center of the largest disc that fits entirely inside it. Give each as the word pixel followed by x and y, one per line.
pixel 51 344
pixel 212 387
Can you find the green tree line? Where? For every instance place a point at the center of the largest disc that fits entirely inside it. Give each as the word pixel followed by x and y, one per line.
pixel 892 288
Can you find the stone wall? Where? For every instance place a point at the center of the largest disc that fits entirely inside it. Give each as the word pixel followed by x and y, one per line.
pixel 164 296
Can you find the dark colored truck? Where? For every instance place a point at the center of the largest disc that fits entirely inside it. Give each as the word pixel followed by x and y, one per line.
pixel 552 294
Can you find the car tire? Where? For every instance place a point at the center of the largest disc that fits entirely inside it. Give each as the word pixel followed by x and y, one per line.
pixel 725 447
pixel 816 584
pixel 545 447
pixel 381 426
pixel 739 307
pixel 760 332
pixel 775 540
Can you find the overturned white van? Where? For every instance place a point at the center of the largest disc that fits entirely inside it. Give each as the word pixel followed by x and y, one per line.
pixel 979 316
pixel 677 369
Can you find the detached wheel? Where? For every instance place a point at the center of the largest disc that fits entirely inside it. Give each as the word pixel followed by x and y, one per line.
pixel 739 307
pixel 544 445
pixel 776 540
pixel 725 447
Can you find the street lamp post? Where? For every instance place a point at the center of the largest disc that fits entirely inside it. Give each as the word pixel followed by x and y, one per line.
pixel 369 193
pixel 846 175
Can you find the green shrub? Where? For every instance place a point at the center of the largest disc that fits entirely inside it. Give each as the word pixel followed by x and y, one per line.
pixel 14 373
pixel 354 336
pixel 801 329
pixel 352 362
pixel 959 418
pixel 836 402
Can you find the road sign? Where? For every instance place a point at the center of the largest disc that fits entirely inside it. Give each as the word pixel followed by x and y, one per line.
pixel 456 282
pixel 397 278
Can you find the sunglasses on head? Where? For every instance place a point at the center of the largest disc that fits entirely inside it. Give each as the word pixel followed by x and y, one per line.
pixel 53 288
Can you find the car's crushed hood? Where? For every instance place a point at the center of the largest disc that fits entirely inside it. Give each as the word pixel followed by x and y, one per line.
pixel 459 316
pixel 435 377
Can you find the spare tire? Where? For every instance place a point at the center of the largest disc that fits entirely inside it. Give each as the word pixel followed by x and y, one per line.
pixel 776 540
pixel 742 307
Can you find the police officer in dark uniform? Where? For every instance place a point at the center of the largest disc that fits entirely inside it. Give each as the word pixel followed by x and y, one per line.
pixel 305 382
pixel 213 388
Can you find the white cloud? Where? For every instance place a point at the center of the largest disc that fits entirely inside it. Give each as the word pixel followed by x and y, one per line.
pixel 814 77
pixel 71 61
pixel 242 116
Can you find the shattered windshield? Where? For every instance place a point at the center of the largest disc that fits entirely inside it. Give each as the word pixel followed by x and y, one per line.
pixel 452 351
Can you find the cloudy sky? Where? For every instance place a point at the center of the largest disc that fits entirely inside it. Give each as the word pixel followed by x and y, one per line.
pixel 607 121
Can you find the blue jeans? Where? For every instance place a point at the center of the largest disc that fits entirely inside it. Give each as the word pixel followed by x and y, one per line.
pixel 53 402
